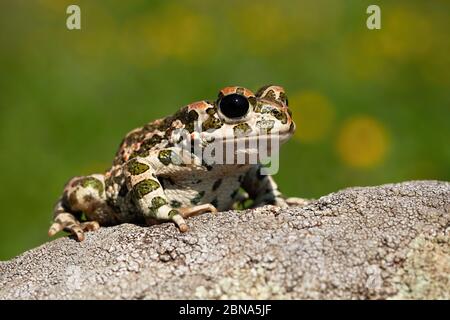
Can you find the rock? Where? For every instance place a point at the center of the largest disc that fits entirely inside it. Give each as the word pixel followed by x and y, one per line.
pixel 390 241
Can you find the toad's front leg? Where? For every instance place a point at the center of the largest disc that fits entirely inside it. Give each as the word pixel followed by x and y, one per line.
pixel 263 190
pixel 148 193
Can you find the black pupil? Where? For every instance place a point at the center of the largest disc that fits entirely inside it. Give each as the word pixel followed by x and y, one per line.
pixel 234 106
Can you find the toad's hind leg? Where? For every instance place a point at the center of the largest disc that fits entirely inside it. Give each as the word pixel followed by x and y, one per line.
pixel 82 194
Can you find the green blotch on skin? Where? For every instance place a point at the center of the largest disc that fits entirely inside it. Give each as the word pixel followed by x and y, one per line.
pixel 135 168
pixel 190 121
pixel 198 197
pixel 279 115
pixel 211 123
pixel 252 100
pixel 241 129
pixel 275 112
pixel 165 157
pixel 173 213
pixel 139 153
pixel 93 183
pixel 150 143
pixel 145 187
pixel 175 204
pixel 158 202
pixel 211 111
pixel 216 184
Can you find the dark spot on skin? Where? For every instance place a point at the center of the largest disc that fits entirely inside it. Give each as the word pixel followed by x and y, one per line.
pixel 215 202
pixel 165 157
pixel 207 166
pixel 275 112
pixel 197 198
pixel 123 191
pixel 192 146
pixel 134 137
pixel 189 121
pixel 136 168
pixel 158 202
pixel 151 142
pixel 252 100
pixel 257 107
pixel 282 97
pixel 173 213
pixel 166 181
pixel 197 181
pixel 234 194
pixel 216 184
pixel 145 187
pixel 259 175
pixel 175 204
pixel 241 129
pixel 291 127
pixel 108 181
pixel 270 95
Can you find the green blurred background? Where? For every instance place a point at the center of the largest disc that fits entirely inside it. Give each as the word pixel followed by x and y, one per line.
pixel 372 106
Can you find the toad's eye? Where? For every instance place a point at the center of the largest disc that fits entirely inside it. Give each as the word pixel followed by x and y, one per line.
pixel 234 106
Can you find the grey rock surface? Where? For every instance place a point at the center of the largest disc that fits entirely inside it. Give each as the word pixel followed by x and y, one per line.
pixel 390 241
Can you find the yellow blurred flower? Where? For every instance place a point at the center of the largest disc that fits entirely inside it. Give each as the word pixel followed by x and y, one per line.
pixel 362 142
pixel 313 114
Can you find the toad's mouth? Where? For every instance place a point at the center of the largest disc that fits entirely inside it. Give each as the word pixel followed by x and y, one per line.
pixel 250 149
pixel 250 139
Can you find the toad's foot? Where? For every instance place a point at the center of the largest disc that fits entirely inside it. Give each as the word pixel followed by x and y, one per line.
pixel 197 210
pixel 297 202
pixel 66 221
